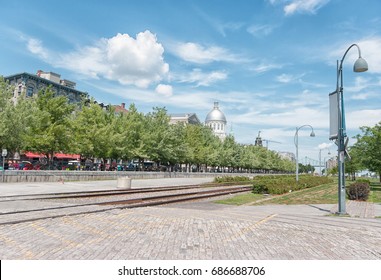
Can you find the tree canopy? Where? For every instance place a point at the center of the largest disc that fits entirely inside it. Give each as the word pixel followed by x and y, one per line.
pixel 51 127
pixel 367 148
pixel 48 123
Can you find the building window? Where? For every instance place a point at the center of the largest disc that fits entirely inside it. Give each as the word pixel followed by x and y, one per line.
pixel 218 126
pixel 70 96
pixel 29 92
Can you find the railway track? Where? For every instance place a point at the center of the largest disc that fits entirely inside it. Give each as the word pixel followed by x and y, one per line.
pixel 97 193
pixel 27 208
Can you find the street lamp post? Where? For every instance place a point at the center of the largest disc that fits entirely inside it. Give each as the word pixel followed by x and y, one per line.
pixel 329 153
pixel 3 154
pixel 297 148
pixel 326 164
pixel 360 66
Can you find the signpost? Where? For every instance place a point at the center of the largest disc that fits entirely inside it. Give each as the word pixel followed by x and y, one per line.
pixel 3 154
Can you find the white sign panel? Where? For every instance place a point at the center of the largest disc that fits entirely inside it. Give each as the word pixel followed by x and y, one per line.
pixel 333 116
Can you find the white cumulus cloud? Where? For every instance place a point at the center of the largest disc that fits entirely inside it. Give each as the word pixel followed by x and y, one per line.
pixel 284 78
pixel 131 61
pixel 35 46
pixel 201 78
pixel 325 145
pixel 288 78
pixel 197 53
pixel 356 119
pixel 165 90
pixel 135 61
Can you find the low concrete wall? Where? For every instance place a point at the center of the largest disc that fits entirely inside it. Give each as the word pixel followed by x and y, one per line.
pixel 14 176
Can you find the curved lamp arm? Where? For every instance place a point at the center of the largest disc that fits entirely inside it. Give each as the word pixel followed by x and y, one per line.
pixel 297 130
pixel 360 64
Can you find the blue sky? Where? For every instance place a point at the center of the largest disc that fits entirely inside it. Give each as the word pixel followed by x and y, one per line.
pixel 269 63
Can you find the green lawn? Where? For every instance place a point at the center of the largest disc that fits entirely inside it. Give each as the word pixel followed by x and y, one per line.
pixel 323 194
pixel 241 199
pixel 375 193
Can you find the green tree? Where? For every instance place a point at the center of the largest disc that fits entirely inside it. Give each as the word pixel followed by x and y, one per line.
pixel 229 153
pixel 306 168
pixel 51 129
pixel 192 136
pixel 88 120
pixel 354 164
pixel 264 159
pixel 176 148
pixel 250 158
pixel 156 135
pixel 212 148
pixel 15 118
pixel 368 147
pixel 134 134
pixel 202 146
pixel 19 119
pixel 6 110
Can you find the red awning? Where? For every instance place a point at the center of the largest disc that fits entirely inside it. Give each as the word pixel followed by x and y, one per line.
pixel 67 156
pixel 57 155
pixel 33 155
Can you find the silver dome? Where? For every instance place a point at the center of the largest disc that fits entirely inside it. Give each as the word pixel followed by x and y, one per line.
pixel 215 115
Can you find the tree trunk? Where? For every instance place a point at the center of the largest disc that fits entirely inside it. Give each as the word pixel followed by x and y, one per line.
pixel 50 160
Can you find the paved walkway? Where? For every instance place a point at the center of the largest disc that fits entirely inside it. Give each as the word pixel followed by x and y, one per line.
pixel 198 230
pixel 360 209
pixel 54 187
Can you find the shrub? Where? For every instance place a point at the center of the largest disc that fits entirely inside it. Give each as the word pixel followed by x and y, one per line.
pixel 363 180
pixel 260 188
pixel 228 179
pixel 358 191
pixel 281 184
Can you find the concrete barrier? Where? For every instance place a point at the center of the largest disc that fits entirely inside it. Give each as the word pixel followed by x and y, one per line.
pixel 15 176
pixel 123 183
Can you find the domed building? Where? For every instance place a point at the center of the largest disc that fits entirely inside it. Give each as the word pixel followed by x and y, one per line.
pixel 216 120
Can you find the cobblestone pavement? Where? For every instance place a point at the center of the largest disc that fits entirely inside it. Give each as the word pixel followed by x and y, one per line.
pixel 198 230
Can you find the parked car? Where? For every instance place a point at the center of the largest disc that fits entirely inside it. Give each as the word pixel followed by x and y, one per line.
pixel 6 165
pixel 25 165
pixel 74 165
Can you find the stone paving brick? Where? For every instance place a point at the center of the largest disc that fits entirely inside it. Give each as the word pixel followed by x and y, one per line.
pixel 359 209
pixel 196 231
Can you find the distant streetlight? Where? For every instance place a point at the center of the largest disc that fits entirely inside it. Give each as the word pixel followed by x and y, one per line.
pixel 360 66
pixel 326 164
pixel 297 148
pixel 3 154
pixel 329 153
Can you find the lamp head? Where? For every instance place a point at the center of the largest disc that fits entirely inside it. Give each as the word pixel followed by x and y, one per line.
pixel 312 134
pixel 360 65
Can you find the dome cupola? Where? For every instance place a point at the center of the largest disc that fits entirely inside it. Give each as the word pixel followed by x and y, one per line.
pixel 216 120
pixel 215 115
